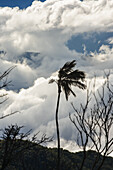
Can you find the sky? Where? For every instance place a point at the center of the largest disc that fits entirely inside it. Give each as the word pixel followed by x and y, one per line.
pixel 38 40
pixel 19 3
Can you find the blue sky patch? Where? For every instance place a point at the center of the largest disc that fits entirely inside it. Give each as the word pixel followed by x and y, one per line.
pixel 17 3
pixel 92 41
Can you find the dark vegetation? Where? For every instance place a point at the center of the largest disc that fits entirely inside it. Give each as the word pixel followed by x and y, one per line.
pixel 42 158
pixel 14 143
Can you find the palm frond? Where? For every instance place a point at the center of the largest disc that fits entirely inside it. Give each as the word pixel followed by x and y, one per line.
pixel 79 85
pixel 76 75
pixel 67 89
pixel 76 83
pixel 72 92
pixel 69 65
pixel 51 81
pixel 67 68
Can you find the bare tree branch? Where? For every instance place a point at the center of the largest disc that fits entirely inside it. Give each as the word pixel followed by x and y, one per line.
pixel 94 124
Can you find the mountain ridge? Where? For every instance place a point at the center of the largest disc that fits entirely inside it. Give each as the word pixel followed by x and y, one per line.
pixel 41 158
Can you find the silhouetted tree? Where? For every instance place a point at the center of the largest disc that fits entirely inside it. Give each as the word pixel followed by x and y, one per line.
pixel 66 78
pixel 4 78
pixel 14 143
pixel 4 83
pixel 94 123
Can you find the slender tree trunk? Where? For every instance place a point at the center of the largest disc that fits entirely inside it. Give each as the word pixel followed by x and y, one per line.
pixel 57 128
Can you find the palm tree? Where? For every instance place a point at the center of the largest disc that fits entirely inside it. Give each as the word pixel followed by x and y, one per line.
pixel 66 78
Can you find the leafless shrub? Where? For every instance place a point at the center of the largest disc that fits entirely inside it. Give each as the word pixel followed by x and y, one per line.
pixel 94 124
pixel 4 83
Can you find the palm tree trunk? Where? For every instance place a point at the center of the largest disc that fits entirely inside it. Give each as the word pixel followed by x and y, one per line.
pixel 57 128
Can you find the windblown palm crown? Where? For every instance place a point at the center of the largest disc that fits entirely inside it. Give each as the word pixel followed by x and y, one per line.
pixel 68 77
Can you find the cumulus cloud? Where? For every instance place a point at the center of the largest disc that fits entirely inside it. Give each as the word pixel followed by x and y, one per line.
pixel 35 40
